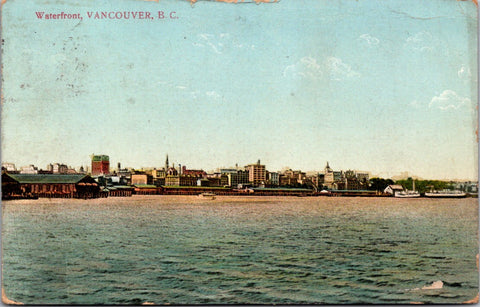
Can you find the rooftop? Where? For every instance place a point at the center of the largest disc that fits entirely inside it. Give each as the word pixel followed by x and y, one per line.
pixel 48 178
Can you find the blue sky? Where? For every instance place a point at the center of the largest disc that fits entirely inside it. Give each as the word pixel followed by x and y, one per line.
pixel 384 86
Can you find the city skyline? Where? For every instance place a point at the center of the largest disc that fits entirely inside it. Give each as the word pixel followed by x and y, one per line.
pixel 262 86
pixel 114 166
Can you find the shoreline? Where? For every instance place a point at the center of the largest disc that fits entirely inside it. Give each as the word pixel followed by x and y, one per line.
pixel 223 198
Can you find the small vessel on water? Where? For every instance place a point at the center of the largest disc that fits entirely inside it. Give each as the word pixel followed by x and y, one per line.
pixel 446 194
pixel 407 193
pixel 207 195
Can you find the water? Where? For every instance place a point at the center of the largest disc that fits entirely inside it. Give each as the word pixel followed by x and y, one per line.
pixel 234 250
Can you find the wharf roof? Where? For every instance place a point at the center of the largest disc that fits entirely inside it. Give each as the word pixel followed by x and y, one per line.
pixel 121 187
pixel 353 191
pixel 396 187
pixel 48 178
pixel 282 189
pixel 145 186
pixel 192 187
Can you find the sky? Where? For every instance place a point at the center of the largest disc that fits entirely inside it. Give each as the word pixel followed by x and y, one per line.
pixel 383 86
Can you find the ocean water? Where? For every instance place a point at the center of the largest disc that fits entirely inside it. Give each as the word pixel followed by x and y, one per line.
pixel 239 250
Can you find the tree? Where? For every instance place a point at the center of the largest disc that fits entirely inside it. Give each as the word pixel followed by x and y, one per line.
pixel 379 184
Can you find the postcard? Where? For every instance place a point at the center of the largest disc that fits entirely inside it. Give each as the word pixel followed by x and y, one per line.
pixel 178 152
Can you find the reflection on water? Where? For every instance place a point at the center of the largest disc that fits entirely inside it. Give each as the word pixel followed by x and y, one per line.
pixel 184 250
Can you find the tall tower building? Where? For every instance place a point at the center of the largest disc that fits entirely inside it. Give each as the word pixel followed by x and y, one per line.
pixel 166 164
pixel 256 173
pixel 100 165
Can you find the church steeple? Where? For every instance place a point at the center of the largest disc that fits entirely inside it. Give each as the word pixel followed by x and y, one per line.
pixel 166 163
pixel 328 169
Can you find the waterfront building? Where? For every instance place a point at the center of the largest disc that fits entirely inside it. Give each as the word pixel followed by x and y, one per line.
pixel 285 181
pixel 218 179
pixel 256 173
pixel 141 179
pixel 333 179
pixel 352 183
pixel 10 187
pixel 53 185
pixel 9 167
pixel 100 165
pixel 215 181
pixel 392 189
pixel 203 182
pixel 233 177
pixel 240 178
pixel 180 180
pixel 116 180
pixel 321 179
pixel 125 173
pixel 159 173
pixel 363 176
pixel 315 180
pixel 29 169
pixel 147 189
pixel 159 176
pixel 273 178
pixel 187 180
pixel 119 191
pixel 294 178
pixel 159 181
pixel 172 171
pixel 193 172
pixel 71 171
pixel 57 168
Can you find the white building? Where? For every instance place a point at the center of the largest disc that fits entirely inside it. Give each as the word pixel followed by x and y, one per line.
pixel 274 178
pixel 393 188
pixel 30 169
pixel 9 167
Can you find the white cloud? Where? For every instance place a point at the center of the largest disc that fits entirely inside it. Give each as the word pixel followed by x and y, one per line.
pixel 220 43
pixel 370 40
pixel 210 40
pixel 305 67
pixel 423 42
pixel 448 100
pixel 213 94
pixel 308 67
pixel 464 72
pixel 339 70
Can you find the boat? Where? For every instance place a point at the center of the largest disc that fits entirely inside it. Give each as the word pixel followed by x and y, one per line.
pixel 407 193
pixel 446 194
pixel 207 195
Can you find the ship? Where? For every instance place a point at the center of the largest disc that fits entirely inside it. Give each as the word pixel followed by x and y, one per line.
pixel 407 193
pixel 446 194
